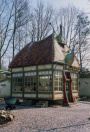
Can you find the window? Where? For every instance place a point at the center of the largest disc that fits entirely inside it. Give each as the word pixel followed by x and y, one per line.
pixel 58 81
pixel 30 81
pixel 17 82
pixel 67 75
pixel 74 81
pixel 45 81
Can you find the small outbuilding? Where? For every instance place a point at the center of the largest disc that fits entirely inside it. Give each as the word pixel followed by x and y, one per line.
pixel 5 83
pixel 5 86
pixel 45 70
pixel 84 83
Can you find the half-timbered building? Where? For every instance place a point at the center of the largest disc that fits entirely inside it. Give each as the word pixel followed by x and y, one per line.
pixel 45 70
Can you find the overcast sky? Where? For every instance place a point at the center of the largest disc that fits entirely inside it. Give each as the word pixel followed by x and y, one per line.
pixel 81 4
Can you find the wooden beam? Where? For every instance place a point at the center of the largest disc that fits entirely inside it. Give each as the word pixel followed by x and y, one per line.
pixel 11 83
pixel 36 81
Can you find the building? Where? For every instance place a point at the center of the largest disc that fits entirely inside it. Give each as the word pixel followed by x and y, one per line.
pixel 45 70
pixel 84 82
pixel 5 86
pixel 5 83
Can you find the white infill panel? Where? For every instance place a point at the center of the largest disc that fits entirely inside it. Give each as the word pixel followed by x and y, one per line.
pixel 30 95
pixel 75 63
pixel 75 94
pixel 17 69
pixel 44 67
pixel 16 95
pixel 31 68
pixel 57 67
pixel 44 95
pixel 58 95
pixel 58 53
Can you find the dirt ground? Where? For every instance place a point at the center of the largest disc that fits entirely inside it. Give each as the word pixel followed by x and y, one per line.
pixel 61 119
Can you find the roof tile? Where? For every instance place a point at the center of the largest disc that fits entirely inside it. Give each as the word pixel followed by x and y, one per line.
pixel 34 53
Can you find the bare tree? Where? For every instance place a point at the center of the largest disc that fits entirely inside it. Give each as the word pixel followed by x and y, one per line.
pixel 67 17
pixel 82 27
pixel 6 26
pixel 20 18
pixel 13 16
pixel 41 16
pixel 75 31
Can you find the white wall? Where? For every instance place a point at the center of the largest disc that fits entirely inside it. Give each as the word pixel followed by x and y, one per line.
pixel 84 87
pixel 5 88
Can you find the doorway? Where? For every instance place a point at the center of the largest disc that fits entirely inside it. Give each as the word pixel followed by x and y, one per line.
pixel 68 95
pixel 68 90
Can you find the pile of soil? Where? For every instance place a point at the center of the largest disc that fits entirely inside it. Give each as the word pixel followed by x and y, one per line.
pixel 5 117
pixel 4 120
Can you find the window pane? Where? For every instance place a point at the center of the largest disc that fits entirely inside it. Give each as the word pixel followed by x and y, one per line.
pixel 43 73
pixel 31 73
pixel 30 81
pixel 60 88
pixel 74 81
pixel 17 81
pixel 34 73
pixel 28 74
pixel 55 88
pixel 45 80
pixel 58 81
pixel 50 72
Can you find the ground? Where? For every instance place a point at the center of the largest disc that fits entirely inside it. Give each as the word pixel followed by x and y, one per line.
pixel 61 119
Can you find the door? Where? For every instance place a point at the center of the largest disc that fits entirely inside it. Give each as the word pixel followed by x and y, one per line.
pixel 68 90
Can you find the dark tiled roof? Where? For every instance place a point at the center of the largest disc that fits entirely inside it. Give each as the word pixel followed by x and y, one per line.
pixel 84 74
pixel 35 53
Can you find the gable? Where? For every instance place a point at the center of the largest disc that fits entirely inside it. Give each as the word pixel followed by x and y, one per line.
pixel 75 63
pixel 60 53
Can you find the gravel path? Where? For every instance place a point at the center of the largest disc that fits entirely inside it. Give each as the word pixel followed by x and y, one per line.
pixel 62 119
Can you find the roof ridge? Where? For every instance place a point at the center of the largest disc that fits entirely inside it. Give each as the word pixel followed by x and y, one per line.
pixel 53 47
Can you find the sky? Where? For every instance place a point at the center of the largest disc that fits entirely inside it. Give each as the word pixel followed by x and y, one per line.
pixel 81 4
